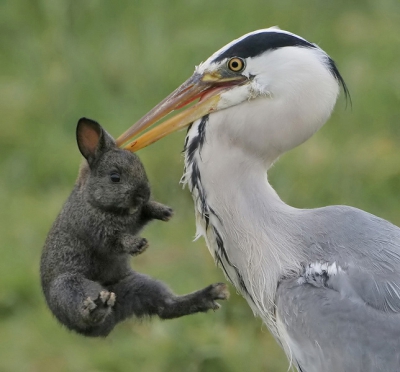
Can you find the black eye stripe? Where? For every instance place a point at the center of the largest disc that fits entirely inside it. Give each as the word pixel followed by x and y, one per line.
pixel 256 44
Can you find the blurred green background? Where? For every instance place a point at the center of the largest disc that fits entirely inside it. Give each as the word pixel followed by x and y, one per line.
pixel 113 61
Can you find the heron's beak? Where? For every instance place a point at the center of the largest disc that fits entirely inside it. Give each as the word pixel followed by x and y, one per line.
pixel 208 87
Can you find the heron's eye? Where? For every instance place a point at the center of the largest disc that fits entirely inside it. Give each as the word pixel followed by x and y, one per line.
pixel 236 64
pixel 115 177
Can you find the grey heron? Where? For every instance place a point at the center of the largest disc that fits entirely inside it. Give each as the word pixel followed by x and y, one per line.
pixel 326 281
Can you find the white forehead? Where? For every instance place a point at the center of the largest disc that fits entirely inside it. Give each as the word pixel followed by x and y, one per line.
pixel 210 65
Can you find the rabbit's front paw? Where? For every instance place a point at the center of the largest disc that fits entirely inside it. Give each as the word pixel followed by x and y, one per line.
pixel 94 311
pixel 167 213
pixel 133 244
pixel 158 211
pixel 139 247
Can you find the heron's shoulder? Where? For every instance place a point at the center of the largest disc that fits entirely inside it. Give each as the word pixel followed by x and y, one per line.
pixel 349 234
pixel 345 211
pixel 342 219
pixel 353 253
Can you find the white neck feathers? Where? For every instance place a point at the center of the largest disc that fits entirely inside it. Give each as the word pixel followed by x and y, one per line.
pixel 246 226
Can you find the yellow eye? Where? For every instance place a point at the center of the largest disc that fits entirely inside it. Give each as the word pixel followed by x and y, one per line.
pixel 236 64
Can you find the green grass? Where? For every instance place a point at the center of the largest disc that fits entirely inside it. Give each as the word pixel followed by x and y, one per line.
pixel 113 61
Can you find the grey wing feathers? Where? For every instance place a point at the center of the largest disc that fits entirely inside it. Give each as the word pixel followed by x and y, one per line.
pixel 364 250
pixel 357 284
pixel 329 331
pixel 342 313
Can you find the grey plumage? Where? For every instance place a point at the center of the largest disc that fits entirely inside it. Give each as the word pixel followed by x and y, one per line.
pixel 353 301
pixel 85 272
pixel 325 281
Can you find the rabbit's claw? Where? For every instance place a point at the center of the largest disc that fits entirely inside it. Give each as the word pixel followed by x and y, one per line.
pixel 107 298
pixel 167 214
pixel 218 291
pixel 95 311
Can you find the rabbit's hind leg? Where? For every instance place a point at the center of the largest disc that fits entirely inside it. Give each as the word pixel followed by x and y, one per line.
pixel 81 304
pixel 140 295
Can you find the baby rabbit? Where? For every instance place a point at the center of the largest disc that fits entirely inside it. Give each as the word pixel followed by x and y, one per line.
pixel 85 273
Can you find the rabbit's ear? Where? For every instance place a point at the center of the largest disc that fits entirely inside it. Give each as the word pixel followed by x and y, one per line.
pixel 92 139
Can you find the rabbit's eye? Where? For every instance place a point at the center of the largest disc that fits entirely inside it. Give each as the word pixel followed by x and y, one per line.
pixel 115 177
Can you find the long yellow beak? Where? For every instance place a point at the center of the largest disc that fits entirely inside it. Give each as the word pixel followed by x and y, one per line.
pixel 208 87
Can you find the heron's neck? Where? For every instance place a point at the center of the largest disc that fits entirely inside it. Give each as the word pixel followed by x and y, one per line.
pixel 248 228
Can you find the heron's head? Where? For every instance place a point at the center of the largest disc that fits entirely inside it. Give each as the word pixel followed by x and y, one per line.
pixel 270 87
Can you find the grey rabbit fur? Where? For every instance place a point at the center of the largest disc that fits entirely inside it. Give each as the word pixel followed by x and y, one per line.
pixel 85 272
